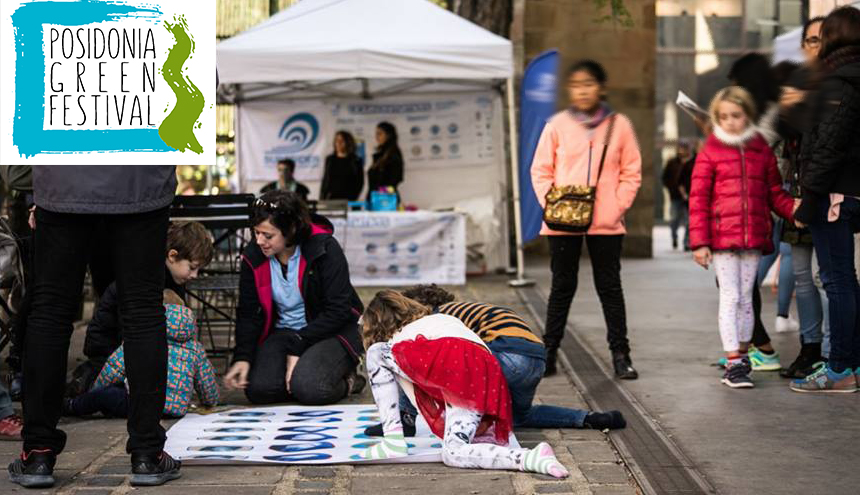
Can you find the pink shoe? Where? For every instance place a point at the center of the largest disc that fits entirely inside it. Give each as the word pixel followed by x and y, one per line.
pixel 10 427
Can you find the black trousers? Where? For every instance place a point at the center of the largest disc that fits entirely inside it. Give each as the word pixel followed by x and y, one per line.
pixel 760 336
pixel 605 254
pixel 64 242
pixel 319 377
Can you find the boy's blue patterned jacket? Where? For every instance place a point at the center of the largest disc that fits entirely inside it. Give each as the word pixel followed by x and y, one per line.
pixel 188 369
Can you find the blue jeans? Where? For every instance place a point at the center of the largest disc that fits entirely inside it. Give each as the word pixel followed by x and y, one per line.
pixel 834 246
pixel 523 374
pixel 809 308
pixel 112 401
pixel 680 217
pixel 786 274
pixel 6 409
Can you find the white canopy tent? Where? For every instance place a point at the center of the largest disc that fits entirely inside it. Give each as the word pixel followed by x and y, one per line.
pixel 374 49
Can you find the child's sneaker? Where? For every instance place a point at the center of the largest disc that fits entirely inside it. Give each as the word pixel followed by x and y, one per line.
pixel 825 380
pixel 738 375
pixel 764 362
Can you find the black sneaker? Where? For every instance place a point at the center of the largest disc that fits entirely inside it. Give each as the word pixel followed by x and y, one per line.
pixel 551 359
pixel 34 469
pixel 624 367
pixel 738 375
pixel 804 365
pixel 153 470
pixel 356 383
pixel 406 419
pixel 610 420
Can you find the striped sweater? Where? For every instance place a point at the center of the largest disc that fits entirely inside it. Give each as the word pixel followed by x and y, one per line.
pixel 488 321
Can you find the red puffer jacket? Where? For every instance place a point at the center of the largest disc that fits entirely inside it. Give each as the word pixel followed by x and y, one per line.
pixel 736 184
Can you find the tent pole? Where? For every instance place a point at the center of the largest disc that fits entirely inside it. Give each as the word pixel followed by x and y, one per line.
pixel 520 281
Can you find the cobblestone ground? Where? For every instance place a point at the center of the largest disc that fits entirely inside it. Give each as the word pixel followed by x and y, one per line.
pixel 95 462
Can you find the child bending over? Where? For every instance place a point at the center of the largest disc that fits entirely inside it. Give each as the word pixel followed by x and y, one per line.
pixel 453 379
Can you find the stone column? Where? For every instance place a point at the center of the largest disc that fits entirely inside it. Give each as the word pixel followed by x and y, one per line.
pixel 629 55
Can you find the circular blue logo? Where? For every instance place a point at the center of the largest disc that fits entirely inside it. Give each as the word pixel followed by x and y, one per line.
pixel 300 132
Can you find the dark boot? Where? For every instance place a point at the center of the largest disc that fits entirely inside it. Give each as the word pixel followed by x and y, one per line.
pixel 551 359
pixel 623 366
pixel 804 365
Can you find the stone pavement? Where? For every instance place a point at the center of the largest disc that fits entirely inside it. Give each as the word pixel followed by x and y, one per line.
pixel 95 462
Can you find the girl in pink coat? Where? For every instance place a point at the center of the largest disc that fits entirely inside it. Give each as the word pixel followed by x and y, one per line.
pixel 736 184
pixel 569 153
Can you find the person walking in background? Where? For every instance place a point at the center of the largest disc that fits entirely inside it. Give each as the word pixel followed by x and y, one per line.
pixel 569 152
pixel 830 186
pixel 736 184
pixel 387 168
pixel 678 196
pixel 131 204
pixel 287 181
pixel 343 177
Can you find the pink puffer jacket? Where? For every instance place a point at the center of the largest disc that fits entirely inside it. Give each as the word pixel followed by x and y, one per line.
pixel 736 185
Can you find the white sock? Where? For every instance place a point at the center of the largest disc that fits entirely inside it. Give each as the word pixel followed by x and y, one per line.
pixel 541 459
pixel 393 445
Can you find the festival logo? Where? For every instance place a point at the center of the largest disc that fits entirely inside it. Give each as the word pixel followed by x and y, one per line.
pixel 107 82
pixel 300 132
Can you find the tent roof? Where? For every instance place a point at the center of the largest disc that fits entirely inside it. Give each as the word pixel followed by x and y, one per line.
pixel 320 40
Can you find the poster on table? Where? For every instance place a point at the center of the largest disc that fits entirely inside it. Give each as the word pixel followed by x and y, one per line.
pixel 433 131
pixel 288 435
pixel 403 248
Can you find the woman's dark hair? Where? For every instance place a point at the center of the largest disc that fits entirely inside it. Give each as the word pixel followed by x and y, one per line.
pixel 429 295
pixel 289 163
pixel 389 147
pixel 752 72
pixel 286 211
pixel 808 24
pixel 390 133
pixel 593 68
pixel 840 29
pixel 348 140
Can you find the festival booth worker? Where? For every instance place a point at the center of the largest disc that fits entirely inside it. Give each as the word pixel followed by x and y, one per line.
pixel 297 331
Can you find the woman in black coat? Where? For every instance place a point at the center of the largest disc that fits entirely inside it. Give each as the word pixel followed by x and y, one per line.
pixel 343 177
pixel 297 321
pixel 830 183
pixel 387 168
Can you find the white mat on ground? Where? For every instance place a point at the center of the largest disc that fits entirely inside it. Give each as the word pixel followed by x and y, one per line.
pixel 288 435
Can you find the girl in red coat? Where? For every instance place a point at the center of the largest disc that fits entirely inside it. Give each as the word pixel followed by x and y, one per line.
pixel 736 184
pixel 448 372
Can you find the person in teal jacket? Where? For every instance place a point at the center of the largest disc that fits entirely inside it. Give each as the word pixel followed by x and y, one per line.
pixel 188 370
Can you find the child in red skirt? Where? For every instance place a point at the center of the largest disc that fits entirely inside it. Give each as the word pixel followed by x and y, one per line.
pixel 453 379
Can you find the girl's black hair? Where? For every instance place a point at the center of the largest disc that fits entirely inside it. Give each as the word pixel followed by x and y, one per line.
pixel 753 73
pixel 592 67
pixel 286 211
pixel 391 132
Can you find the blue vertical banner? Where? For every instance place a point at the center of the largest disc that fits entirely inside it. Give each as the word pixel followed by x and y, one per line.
pixel 537 104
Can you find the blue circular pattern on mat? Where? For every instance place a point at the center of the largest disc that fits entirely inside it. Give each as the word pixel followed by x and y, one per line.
pixel 301 447
pixel 307 456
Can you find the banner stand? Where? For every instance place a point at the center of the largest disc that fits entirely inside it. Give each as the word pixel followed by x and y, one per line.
pixel 520 281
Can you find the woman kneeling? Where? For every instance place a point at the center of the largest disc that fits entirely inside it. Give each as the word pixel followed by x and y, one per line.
pixel 297 320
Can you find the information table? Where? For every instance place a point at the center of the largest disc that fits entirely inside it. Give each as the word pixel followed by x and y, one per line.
pixel 403 248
